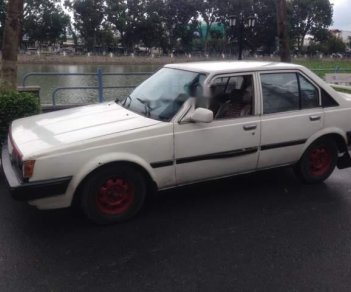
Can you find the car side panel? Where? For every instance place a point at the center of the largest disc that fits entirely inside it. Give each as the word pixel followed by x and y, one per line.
pixel 284 136
pixel 216 149
pixel 338 117
pixel 147 148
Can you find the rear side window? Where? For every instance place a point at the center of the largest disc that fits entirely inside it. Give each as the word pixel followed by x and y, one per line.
pixel 327 100
pixel 309 93
pixel 288 92
pixel 280 92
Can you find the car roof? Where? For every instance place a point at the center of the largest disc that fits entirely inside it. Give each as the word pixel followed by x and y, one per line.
pixel 232 66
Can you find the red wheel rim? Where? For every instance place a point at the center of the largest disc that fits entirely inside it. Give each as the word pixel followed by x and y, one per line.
pixel 115 196
pixel 320 161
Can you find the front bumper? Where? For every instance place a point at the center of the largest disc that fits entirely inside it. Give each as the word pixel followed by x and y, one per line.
pixel 27 191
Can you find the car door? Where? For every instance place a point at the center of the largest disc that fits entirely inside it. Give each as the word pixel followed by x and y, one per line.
pixel 291 113
pixel 225 146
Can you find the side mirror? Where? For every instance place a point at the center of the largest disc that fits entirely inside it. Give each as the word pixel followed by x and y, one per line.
pixel 202 115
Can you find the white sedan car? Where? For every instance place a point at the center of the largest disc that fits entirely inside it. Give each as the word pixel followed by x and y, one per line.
pixel 187 123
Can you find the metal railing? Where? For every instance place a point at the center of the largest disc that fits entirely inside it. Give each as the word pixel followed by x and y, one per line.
pixel 99 78
pixel 343 87
pixel 337 69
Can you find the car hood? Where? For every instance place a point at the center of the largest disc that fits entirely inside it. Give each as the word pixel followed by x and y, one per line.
pixel 42 133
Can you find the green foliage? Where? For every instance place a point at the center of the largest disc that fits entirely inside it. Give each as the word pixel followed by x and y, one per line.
pixel 88 16
pixel 45 21
pixel 308 17
pixel 2 18
pixel 329 46
pixel 323 66
pixel 14 105
pixel 209 11
pixel 263 35
pixel 335 45
pixel 175 24
pixel 181 22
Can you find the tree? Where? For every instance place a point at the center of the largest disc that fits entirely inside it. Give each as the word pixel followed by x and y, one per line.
pixel 216 42
pixel 106 38
pixel 265 31
pixel 45 21
pixel 152 25
pixel 132 19
pixel 180 23
pixel 283 31
pixel 88 16
pixel 263 35
pixel 2 17
pixel 10 43
pixel 117 13
pixel 209 11
pixel 308 17
pixel 329 46
pixel 335 45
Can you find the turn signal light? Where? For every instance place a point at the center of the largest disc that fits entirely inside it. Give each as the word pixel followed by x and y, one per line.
pixel 28 168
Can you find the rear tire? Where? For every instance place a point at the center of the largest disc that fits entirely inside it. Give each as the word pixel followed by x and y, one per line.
pixel 112 194
pixel 318 162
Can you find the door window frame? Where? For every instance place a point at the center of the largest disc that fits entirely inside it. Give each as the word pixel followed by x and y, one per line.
pixel 256 92
pixel 296 72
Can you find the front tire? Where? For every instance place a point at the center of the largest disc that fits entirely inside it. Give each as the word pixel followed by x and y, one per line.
pixel 318 162
pixel 113 194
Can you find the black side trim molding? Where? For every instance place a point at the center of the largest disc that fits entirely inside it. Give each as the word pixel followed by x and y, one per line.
pixel 219 155
pixel 161 164
pixel 283 144
pixel 228 154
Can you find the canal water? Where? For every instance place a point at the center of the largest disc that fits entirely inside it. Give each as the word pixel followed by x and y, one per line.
pixel 49 83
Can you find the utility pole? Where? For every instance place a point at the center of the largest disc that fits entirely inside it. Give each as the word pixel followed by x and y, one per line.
pixel 10 44
pixel 282 22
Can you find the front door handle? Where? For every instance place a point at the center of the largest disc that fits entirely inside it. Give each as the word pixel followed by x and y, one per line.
pixel 250 127
pixel 315 118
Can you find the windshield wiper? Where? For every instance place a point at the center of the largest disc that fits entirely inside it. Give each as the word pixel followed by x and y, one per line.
pixel 147 106
pixel 123 100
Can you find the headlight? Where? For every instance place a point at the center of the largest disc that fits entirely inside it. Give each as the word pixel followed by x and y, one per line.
pixel 28 168
pixel 14 149
pixel 25 167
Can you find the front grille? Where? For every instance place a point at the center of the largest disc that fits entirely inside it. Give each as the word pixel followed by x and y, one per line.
pixel 16 161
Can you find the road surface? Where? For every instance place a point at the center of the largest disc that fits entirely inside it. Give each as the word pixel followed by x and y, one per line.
pixel 262 232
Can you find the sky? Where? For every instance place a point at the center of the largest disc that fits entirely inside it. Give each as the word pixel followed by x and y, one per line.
pixel 342 17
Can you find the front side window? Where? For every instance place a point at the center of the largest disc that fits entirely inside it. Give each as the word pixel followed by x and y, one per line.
pixel 232 97
pixel 161 96
pixel 287 92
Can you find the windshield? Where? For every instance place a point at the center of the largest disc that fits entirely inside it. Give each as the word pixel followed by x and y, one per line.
pixel 161 96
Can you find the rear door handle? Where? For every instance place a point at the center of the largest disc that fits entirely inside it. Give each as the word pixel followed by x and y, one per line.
pixel 250 127
pixel 315 118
